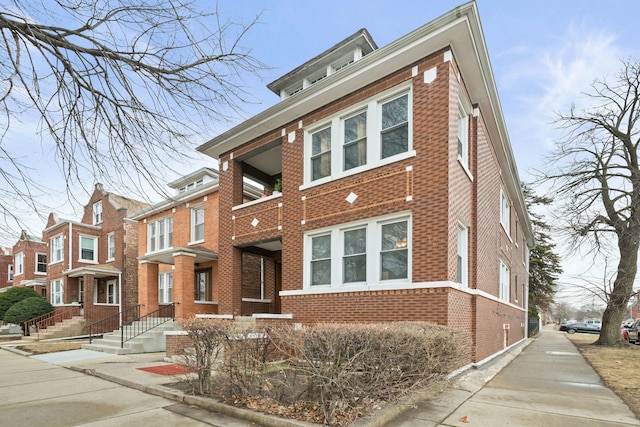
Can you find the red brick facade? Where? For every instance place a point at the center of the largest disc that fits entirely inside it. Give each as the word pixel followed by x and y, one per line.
pixel 33 253
pixel 106 284
pixel 429 185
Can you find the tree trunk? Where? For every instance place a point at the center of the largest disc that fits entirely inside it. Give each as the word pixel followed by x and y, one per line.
pixel 610 334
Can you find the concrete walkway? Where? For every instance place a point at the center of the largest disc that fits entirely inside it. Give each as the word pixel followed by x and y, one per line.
pixel 548 384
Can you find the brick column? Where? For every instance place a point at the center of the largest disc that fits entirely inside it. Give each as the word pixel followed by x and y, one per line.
pixel 183 284
pixel 148 287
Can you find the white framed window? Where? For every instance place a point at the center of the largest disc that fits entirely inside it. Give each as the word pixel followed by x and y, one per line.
pixel 505 211
pixel 462 269
pixel 56 292
pixel 111 246
pixel 365 252
pixel 88 249
pixel 197 224
pixel 56 248
pixel 505 282
pixel 81 290
pixel 18 263
pixel 106 292
pixel 165 287
pixel 41 263
pixel 160 234
pixel 203 289
pixel 10 272
pixel 463 135
pixel 97 212
pixel 371 133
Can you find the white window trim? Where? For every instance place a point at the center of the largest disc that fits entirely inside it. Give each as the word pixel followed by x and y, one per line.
pixel 52 285
pixel 97 216
pixel 111 238
pixel 165 274
pixel 464 252
pixel 374 118
pixel 18 264
pixel 505 211
pixel 156 222
pixel 52 241
pixel 10 273
pixel 36 264
pixel 193 224
pixel 373 226
pixel 504 282
pixel 95 249
pixel 112 282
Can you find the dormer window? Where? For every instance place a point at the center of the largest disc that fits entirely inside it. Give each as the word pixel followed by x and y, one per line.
pixel 191 186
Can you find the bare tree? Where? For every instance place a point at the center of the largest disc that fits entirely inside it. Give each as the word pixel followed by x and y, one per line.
pixel 120 89
pixel 597 175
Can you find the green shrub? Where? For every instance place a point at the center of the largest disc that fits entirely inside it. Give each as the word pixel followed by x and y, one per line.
pixel 14 295
pixel 27 309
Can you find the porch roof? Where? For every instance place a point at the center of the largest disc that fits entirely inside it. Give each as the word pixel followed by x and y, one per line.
pixel 200 254
pixel 98 271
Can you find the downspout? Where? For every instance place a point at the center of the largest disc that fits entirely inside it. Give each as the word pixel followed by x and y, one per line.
pixel 70 244
pixel 120 296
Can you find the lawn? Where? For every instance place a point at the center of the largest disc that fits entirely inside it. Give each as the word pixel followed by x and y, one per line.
pixel 616 367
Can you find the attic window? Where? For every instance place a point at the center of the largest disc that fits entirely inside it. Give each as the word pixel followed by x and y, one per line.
pixel 343 63
pixel 294 90
pixel 191 186
pixel 317 78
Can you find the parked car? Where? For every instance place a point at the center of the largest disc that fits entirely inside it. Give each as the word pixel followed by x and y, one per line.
pixel 580 327
pixel 564 324
pixel 633 332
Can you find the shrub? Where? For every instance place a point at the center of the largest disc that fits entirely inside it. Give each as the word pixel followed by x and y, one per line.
pixel 27 309
pixel 14 295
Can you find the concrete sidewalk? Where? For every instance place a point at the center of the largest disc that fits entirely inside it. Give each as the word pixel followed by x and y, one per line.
pixel 548 384
pixel 543 382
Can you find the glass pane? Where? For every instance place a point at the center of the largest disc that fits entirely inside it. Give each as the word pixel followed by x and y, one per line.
pixel 321 272
pixel 321 247
pixel 321 141
pixel 355 241
pixel 355 269
pixel 394 265
pixel 321 166
pixel 355 127
pixel 355 154
pixel 395 141
pixel 394 236
pixel 395 112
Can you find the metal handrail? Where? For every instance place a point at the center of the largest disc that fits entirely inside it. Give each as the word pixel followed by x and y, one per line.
pixel 147 322
pixel 113 322
pixel 50 319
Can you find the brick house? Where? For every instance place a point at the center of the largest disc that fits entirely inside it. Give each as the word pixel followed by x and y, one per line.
pixel 30 263
pixel 400 194
pixel 6 267
pixel 93 262
pixel 178 250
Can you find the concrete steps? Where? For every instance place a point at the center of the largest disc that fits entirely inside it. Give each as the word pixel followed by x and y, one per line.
pixel 149 342
pixel 73 327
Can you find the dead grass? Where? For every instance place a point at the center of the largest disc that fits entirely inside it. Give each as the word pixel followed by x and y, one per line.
pixel 616 366
pixel 52 347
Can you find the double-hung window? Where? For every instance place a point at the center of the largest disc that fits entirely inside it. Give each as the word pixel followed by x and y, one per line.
pixel 10 273
pixel 505 281
pixel 41 263
pixel 374 251
pixel 56 246
pixel 88 248
pixel 160 234
pixel 505 211
pixel 197 224
pixel 18 262
pixel 364 136
pixel 57 292
pixel 463 135
pixel 97 212
pixel 165 287
pixel 111 246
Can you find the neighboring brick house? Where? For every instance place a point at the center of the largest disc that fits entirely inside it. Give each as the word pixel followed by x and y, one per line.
pixel 178 250
pixel 93 262
pixel 6 267
pixel 400 194
pixel 30 263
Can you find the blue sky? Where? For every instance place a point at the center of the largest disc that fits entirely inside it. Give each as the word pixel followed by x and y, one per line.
pixel 543 53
